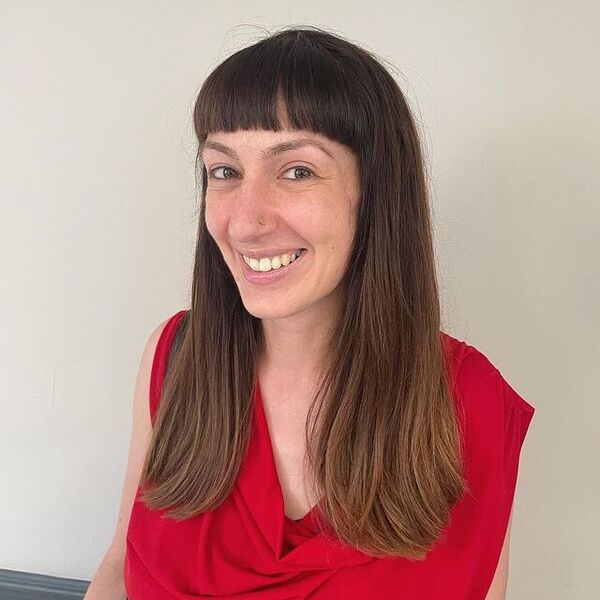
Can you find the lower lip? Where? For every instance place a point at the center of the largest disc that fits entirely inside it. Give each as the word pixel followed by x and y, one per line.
pixel 273 275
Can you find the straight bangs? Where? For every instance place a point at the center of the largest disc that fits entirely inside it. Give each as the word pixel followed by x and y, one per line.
pixel 287 80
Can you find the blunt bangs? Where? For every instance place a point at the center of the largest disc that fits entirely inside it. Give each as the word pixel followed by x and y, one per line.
pixel 292 79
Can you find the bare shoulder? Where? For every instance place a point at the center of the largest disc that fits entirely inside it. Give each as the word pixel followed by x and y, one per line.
pixel 141 434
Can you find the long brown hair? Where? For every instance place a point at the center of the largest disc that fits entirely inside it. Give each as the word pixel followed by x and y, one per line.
pixel 384 448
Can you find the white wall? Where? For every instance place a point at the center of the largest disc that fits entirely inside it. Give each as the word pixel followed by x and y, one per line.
pixel 97 226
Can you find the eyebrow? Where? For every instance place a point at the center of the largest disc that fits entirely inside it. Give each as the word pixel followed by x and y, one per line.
pixel 269 152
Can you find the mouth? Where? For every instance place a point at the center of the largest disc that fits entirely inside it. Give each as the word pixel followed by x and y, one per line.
pixel 273 275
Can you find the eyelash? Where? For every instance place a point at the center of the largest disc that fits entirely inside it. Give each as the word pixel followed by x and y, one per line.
pixel 212 171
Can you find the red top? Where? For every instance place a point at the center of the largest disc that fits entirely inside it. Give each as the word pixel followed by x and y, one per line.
pixel 248 548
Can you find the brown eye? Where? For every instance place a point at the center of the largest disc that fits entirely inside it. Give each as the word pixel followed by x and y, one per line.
pixel 211 173
pixel 300 169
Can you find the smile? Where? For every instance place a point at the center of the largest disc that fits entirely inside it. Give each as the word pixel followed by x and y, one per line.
pixel 276 262
pixel 271 270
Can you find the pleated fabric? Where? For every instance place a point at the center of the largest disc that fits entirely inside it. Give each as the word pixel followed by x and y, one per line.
pixel 248 549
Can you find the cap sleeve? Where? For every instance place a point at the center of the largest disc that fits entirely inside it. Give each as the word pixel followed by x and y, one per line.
pixel 495 420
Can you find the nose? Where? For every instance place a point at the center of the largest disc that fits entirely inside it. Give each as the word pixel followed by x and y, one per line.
pixel 254 200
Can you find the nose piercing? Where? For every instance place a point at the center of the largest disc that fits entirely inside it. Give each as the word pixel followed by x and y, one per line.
pixel 261 220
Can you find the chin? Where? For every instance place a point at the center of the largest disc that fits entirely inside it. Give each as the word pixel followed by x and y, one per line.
pixel 267 309
pixel 267 312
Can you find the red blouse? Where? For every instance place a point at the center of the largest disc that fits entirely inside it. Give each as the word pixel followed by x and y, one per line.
pixel 248 548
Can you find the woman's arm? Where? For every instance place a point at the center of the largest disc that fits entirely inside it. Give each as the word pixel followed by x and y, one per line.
pixel 497 590
pixel 108 582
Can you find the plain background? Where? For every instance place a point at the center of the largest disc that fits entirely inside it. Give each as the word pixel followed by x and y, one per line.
pixel 98 223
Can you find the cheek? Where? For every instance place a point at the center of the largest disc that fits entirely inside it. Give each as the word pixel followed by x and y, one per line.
pixel 342 236
pixel 341 228
pixel 216 220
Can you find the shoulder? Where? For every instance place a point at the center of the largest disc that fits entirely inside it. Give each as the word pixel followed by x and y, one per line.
pixel 477 381
pixel 468 364
pixel 160 340
pixel 149 356
pixel 163 338
pixel 491 413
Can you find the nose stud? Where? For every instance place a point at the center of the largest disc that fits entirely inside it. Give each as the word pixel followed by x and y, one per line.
pixel 261 220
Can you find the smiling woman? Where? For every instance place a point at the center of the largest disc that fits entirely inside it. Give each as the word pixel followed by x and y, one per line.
pixel 315 434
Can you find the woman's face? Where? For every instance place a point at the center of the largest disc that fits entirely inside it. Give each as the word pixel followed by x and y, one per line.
pixel 307 198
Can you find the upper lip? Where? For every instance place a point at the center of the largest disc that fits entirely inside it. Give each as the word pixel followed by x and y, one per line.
pixel 267 252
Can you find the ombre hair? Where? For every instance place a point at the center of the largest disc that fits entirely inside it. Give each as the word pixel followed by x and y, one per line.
pixel 382 435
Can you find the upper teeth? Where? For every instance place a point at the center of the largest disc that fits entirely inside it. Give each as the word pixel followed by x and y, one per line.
pixel 273 262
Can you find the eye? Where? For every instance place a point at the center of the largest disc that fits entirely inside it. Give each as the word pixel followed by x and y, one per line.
pixel 295 169
pixel 211 173
pixel 299 168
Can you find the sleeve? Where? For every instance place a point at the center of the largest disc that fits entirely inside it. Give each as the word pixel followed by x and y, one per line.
pixel 495 420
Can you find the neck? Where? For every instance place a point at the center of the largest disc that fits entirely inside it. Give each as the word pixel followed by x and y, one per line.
pixel 293 346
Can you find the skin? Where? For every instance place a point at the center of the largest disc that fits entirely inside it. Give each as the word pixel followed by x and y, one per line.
pixel 313 209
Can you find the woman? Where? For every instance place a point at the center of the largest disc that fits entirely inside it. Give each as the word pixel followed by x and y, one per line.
pixel 310 431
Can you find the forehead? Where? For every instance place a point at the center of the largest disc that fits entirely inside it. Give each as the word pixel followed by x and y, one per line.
pixel 270 143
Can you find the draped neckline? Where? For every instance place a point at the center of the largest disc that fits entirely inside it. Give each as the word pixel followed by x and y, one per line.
pixel 264 426
pixel 306 543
